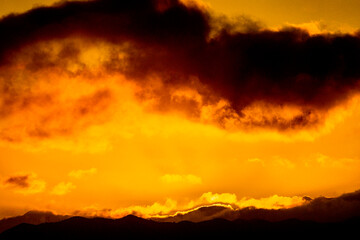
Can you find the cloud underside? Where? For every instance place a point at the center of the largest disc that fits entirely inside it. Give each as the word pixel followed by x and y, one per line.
pixel 64 68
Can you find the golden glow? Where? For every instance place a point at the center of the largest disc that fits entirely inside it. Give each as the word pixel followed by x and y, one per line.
pixel 79 139
pixel 168 209
pixel 63 188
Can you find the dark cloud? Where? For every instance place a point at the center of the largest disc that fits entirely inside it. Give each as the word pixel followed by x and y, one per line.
pixel 114 21
pixel 177 42
pixel 21 181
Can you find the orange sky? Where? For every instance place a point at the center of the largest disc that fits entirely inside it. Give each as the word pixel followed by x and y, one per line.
pixel 125 155
pixel 334 14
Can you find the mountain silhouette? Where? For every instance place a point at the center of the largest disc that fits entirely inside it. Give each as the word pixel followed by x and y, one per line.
pixel 320 217
pixel 131 227
pixel 31 217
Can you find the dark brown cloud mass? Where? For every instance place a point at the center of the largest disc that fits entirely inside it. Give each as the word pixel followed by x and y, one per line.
pixel 178 42
pixel 21 181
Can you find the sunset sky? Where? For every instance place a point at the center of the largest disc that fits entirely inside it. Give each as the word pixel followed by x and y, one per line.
pixel 110 108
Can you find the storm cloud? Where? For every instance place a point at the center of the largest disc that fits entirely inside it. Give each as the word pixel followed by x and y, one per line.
pixel 178 43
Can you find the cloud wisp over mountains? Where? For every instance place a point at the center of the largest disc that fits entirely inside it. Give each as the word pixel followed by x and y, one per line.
pixel 320 209
pixel 322 215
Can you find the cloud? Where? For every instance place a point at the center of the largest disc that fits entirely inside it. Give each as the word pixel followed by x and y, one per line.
pixel 18 181
pixel 63 188
pixel 210 197
pixel 283 162
pixel 228 206
pixel 82 173
pixel 177 59
pixel 275 161
pixel 320 27
pixel 324 161
pixel 139 210
pixel 256 160
pixel 176 178
pixel 173 208
pixel 320 209
pixel 273 202
pixel 25 183
pixel 276 208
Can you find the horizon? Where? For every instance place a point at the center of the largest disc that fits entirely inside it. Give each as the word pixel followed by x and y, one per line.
pixel 162 107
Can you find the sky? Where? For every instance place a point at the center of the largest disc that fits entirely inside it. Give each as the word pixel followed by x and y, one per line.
pixel 160 106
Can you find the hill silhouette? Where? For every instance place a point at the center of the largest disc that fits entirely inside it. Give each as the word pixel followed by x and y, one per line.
pixel 131 227
pixel 320 217
pixel 31 217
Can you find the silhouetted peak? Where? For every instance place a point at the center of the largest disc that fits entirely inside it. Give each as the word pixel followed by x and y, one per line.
pixel 31 217
pixel 133 219
pixel 354 196
pixel 35 213
pixel 129 227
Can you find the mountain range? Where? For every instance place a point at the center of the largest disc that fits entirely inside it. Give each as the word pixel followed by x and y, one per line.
pixel 321 217
pixel 132 227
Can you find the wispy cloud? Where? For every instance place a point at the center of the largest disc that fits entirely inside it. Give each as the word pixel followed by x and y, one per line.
pixel 63 188
pixel 173 207
pixel 256 160
pixel 82 173
pixel 27 183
